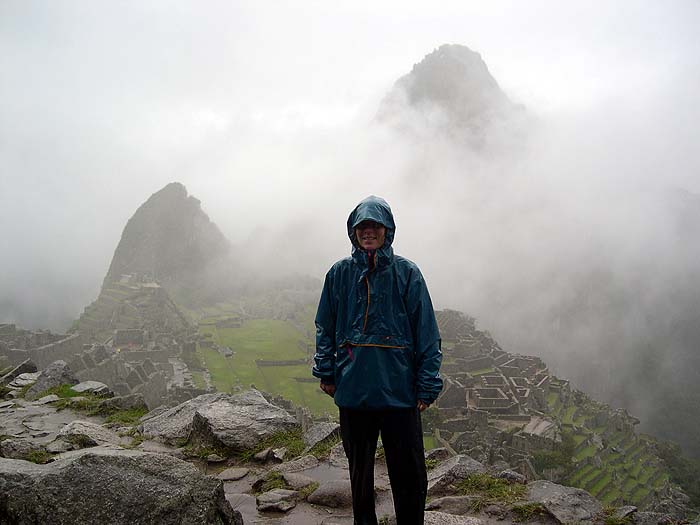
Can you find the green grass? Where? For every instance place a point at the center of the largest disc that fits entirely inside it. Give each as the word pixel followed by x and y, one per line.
pixel 127 417
pixel 198 380
pixel 577 476
pixel 291 440
pixel 610 519
pixel 40 457
pixel 601 484
pixel 483 371
pixel 639 495
pixel 268 340
pixel 585 453
pixel 568 417
pixel 429 442
pixel 528 511
pixel 322 449
pixel 579 438
pixel 610 496
pixel 63 391
pixel 491 488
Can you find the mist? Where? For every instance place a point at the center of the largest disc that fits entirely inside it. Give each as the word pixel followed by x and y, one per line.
pixel 267 114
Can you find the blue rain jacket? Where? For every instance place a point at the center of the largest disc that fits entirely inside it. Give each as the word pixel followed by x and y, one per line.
pixel 377 338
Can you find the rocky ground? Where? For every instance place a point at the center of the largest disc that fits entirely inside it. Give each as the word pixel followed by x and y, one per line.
pixel 73 454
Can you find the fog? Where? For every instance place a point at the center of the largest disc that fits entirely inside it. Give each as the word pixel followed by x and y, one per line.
pixel 266 113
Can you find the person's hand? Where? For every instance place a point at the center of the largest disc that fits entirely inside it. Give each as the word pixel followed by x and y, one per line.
pixel 328 389
pixel 422 405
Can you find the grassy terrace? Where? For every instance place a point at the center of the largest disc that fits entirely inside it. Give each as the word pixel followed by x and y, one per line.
pixel 483 371
pixel 599 485
pixel 267 340
pixel 585 453
pixel 568 417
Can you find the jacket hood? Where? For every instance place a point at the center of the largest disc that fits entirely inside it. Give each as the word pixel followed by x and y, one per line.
pixel 372 209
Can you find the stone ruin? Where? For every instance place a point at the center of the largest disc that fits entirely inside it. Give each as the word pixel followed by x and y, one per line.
pixel 132 338
pixel 497 406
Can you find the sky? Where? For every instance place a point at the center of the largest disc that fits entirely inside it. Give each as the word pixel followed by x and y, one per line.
pixel 264 110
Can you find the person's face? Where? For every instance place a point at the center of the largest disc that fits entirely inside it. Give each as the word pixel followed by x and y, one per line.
pixel 370 235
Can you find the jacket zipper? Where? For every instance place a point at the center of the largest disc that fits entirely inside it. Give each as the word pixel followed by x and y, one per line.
pixel 364 326
pixel 371 268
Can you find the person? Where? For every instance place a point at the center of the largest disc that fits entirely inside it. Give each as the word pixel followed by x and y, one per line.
pixel 378 354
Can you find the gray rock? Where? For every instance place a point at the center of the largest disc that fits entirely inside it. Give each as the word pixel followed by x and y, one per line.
pixel 566 504
pixel 444 476
pixel 277 500
pixel 458 505
pixel 238 421
pixel 215 458
pixel 297 481
pixel 337 457
pixel 263 456
pixel 87 434
pixel 112 487
pixel 159 448
pixel 59 446
pixel 7 404
pixel 18 448
pixel 648 518
pixel 297 465
pixel 278 454
pixel 512 476
pixel 319 432
pixel 128 402
pixel 56 374
pixel 26 366
pixel 93 387
pixel 438 454
pixel 46 399
pixel 333 494
pixel 24 379
pixel 442 518
pixel 622 512
pixel 233 474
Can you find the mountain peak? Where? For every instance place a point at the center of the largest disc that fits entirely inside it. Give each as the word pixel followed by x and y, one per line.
pixel 169 239
pixel 452 80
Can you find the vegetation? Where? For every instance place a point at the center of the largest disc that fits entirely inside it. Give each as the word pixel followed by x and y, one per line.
pixel 684 471
pixel 39 456
pixel 128 417
pixel 264 339
pixel 93 405
pixel 322 449
pixel 609 517
pixel 528 511
pixel 291 440
pixel 430 464
pixel 273 480
pixel 491 489
pixel 561 457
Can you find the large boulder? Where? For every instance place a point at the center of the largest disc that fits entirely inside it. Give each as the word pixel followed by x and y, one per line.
pixel 441 480
pixel 26 366
pixel 238 422
pixel 566 504
pixel 333 494
pixel 93 387
pixel 82 434
pixel 56 374
pixel 111 486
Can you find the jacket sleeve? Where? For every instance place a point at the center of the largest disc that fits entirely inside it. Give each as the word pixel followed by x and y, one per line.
pixel 324 359
pixel 426 339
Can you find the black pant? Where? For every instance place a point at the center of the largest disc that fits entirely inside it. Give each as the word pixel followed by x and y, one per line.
pixel 402 437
